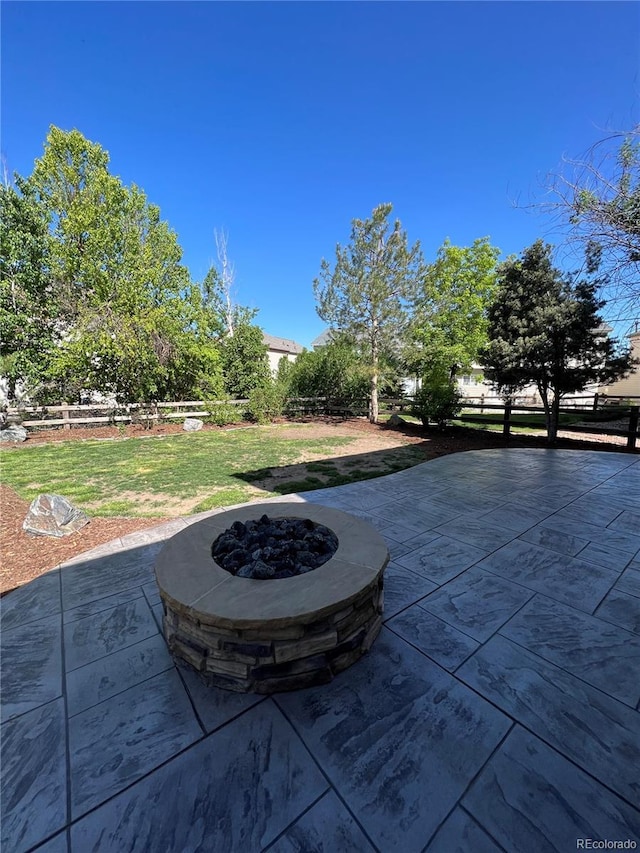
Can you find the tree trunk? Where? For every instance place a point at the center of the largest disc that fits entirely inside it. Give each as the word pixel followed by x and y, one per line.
pixel 548 415
pixel 373 403
pixel 552 432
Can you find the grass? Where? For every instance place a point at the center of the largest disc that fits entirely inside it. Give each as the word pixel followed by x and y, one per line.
pixel 182 474
pixel 147 476
pixel 529 420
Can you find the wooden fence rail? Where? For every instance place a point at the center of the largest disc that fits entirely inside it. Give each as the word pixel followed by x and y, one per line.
pixel 68 416
pixel 89 414
pixel 114 414
pixel 621 413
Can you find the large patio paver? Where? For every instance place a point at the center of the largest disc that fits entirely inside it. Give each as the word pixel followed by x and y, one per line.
pixel 236 790
pixel 31 602
pixel 477 602
pixel 495 712
pixel 118 741
pixel 461 834
pixel 106 632
pixel 402 588
pixel 439 641
pixel 33 783
pixel 529 797
pixel 30 666
pixel 576 582
pixel 383 734
pixel 327 825
pixel 101 679
pixel 440 559
pixel 603 655
pixel 588 726
pixel 621 609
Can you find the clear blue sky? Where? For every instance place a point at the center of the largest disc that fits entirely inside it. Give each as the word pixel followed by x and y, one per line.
pixel 281 122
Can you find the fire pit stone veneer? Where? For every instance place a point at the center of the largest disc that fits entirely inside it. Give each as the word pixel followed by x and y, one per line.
pixel 265 636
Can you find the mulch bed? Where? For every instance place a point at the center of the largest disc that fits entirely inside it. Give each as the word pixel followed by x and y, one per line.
pixel 25 557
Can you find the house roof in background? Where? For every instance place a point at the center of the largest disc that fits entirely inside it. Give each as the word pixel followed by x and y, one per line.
pixel 281 344
pixel 322 339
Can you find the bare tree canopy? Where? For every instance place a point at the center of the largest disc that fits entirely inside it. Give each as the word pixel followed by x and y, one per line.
pixel 598 197
pixel 227 277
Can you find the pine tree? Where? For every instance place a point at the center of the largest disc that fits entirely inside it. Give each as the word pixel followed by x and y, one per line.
pixel 544 329
pixel 366 295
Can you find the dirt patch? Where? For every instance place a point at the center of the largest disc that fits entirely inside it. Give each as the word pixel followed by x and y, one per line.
pixel 111 433
pixel 25 557
pixel 151 503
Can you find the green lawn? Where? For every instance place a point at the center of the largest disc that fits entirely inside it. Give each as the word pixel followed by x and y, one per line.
pixel 530 420
pixel 182 474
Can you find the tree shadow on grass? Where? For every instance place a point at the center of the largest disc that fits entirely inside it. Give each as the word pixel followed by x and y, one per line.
pixel 336 470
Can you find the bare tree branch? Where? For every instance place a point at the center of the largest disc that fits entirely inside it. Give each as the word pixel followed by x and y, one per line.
pixel 227 276
pixel 594 201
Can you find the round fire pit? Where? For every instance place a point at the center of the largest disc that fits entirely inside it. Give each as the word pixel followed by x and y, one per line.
pixel 270 635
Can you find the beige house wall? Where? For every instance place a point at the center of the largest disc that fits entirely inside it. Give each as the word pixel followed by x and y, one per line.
pixel 274 358
pixel 629 387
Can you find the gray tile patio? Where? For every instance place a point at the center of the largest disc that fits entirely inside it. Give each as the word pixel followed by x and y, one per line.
pixel 497 711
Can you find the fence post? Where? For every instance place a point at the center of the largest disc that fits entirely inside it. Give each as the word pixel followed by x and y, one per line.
pixel 65 418
pixel 506 427
pixel 482 404
pixel 633 428
pixel 595 402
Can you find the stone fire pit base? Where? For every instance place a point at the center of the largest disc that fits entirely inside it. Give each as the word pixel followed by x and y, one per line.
pixel 265 636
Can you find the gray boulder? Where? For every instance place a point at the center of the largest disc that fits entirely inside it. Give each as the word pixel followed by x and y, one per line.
pixel 53 515
pixel 13 433
pixel 395 421
pixel 192 424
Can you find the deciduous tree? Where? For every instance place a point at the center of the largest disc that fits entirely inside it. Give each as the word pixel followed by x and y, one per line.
pixel 28 309
pixel 128 313
pixel 598 197
pixel 449 324
pixel 334 371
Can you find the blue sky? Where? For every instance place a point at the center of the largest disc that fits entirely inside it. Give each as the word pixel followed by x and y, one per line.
pixel 281 122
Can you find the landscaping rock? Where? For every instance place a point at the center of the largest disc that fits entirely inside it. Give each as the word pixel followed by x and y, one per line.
pixel 13 433
pixel 395 421
pixel 53 515
pixel 273 548
pixel 192 424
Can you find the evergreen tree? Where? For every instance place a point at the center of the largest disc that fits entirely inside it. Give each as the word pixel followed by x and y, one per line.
pixel 544 329
pixel 367 294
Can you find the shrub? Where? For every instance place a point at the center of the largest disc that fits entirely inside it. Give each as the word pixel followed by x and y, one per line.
pixel 244 361
pixel 437 400
pixel 333 371
pixel 266 402
pixel 223 412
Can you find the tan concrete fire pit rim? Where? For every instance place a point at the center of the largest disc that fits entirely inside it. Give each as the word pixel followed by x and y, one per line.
pixel 192 582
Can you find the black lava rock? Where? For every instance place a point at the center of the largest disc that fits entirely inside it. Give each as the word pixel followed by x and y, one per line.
pixel 267 548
